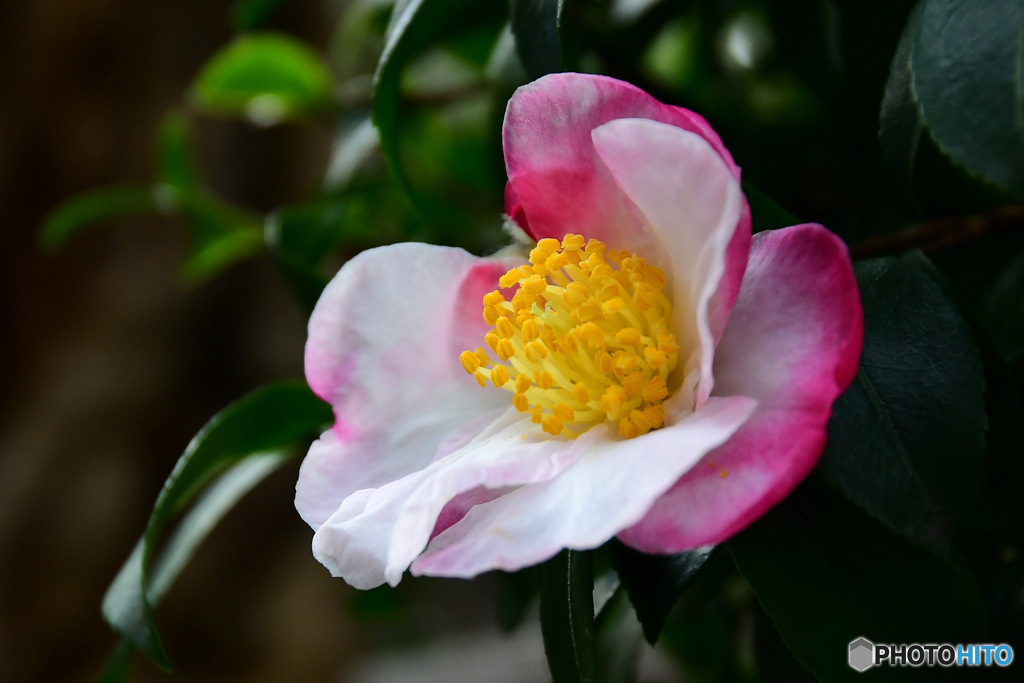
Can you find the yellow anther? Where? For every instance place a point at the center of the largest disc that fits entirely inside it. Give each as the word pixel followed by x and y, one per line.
pixel 480 379
pixel 534 286
pixel 655 357
pixel 530 330
pixel 586 328
pixel 469 361
pixel 548 246
pixel 510 278
pixel 499 375
pixel 581 393
pixel 628 336
pixel 613 306
pixel 573 242
pixel 634 383
pixel 552 425
pixel 493 298
pixel 535 351
pixel 612 401
pixel 491 314
pixel 505 349
pixel 556 261
pixel 505 327
pixel 655 390
pixel 564 412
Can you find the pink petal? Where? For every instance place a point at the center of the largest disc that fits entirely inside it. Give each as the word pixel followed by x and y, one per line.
pixel 793 343
pixel 558 184
pixel 376 533
pixel 383 349
pixel 691 204
pixel 609 487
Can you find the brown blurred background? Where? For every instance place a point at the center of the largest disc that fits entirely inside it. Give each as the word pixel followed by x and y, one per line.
pixel 111 364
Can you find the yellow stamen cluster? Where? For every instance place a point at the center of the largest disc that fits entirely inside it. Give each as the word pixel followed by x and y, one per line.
pixel 585 339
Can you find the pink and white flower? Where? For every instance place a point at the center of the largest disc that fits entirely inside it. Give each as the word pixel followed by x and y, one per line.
pixel 425 470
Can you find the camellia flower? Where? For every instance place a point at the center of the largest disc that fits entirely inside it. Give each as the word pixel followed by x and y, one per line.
pixel 649 372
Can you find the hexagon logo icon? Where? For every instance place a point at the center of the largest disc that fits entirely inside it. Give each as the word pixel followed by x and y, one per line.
pixel 862 654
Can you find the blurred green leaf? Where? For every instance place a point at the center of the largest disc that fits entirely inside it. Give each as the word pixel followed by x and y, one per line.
pixel 827 573
pixel 175 163
pixel 535 25
pixel 219 233
pixel 765 213
pixel 655 582
pixel 272 418
pixel 958 75
pixel 251 14
pixel 617 640
pixel 567 616
pixel 216 502
pixel 907 440
pixel 81 211
pixel 414 25
pixel 266 78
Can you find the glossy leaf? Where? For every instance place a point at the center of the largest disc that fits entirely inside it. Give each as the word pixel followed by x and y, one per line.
pixel 271 418
pixel 82 211
pixel 655 582
pixel 266 78
pixel 567 616
pixel 535 25
pixel 414 25
pixel 907 440
pixel 828 573
pixel 958 72
pixel 193 530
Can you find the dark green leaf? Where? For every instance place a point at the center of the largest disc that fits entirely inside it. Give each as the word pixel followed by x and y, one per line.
pixel 251 14
pixel 81 211
pixel 958 74
pixel 567 616
pixel 827 573
pixel 907 439
pixel 618 638
pixel 516 592
pixel 414 25
pixel 269 419
pixel 266 78
pixel 535 25
pixel 300 238
pixel 900 120
pixel 765 213
pixel 655 582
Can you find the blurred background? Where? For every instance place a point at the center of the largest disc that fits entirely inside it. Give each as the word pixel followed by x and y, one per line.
pixel 115 354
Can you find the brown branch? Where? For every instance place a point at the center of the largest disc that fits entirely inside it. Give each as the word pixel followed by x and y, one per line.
pixel 941 234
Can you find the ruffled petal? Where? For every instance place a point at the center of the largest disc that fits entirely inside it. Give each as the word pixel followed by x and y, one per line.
pixel 608 488
pixel 376 533
pixel 383 349
pixel 793 343
pixel 692 204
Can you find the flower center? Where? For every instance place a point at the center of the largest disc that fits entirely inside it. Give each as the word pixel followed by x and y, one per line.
pixel 584 340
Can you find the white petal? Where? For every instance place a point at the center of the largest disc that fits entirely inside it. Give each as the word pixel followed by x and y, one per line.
pixel 608 489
